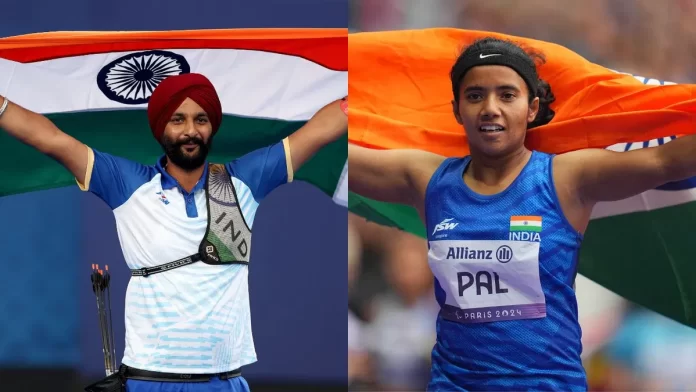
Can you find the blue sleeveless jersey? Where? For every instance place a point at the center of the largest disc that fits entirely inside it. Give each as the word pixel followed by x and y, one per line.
pixel 504 269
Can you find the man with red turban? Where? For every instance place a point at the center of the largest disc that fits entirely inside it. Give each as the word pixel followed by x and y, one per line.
pixel 189 324
pixel 191 91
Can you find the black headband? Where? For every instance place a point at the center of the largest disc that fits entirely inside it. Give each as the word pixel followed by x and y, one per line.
pixel 495 57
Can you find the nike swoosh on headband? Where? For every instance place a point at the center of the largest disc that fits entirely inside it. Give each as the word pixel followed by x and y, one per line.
pixel 481 56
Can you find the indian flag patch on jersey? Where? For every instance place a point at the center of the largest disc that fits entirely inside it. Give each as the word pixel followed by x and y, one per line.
pixel 525 223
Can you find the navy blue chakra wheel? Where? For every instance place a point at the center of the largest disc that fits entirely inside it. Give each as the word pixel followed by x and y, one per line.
pixel 131 79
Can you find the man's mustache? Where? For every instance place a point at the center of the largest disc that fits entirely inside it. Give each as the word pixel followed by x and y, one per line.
pixel 190 140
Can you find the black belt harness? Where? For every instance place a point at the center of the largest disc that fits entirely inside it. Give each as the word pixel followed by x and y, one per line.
pixel 146 375
pixel 227 238
pixel 145 272
pixel 117 381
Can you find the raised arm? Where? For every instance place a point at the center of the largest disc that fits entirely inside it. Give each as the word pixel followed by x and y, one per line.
pixel 394 176
pixel 326 126
pixel 39 132
pixel 603 175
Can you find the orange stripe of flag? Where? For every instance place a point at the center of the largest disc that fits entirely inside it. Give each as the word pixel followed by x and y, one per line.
pixel 526 218
pixel 326 47
pixel 401 96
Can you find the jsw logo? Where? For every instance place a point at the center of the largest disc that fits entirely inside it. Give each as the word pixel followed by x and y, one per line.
pixel 445 225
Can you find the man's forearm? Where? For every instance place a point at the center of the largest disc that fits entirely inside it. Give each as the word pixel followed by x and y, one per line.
pixel 331 121
pixel 326 126
pixel 28 127
pixel 39 132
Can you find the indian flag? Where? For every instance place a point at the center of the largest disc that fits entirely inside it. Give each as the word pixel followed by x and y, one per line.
pixel 640 248
pixel 96 85
pixel 525 223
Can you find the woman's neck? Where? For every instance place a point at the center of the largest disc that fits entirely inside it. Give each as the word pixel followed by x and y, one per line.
pixel 495 174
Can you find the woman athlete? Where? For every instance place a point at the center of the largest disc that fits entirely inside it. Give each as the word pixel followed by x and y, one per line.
pixel 505 224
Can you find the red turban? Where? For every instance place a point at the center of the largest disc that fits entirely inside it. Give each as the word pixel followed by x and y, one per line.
pixel 174 90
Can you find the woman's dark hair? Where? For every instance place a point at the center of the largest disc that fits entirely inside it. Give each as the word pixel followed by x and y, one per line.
pixel 527 57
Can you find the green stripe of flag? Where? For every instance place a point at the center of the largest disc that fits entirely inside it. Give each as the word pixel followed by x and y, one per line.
pixel 525 228
pixel 126 133
pixel 393 215
pixel 646 257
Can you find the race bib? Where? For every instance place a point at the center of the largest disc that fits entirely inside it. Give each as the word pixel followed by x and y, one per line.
pixel 488 280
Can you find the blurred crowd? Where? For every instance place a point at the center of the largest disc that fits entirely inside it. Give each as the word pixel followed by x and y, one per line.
pixel 647 37
pixel 392 310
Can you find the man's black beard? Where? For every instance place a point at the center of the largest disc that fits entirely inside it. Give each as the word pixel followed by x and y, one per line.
pixel 175 153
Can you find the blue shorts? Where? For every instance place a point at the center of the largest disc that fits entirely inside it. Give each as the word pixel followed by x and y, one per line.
pixel 236 384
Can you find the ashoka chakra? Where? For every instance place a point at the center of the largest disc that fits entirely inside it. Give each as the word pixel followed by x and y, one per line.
pixel 131 79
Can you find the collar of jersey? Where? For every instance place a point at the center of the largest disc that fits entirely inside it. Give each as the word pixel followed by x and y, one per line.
pixel 169 182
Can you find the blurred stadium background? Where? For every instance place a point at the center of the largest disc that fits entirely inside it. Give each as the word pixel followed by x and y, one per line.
pixel 49 335
pixel 391 318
